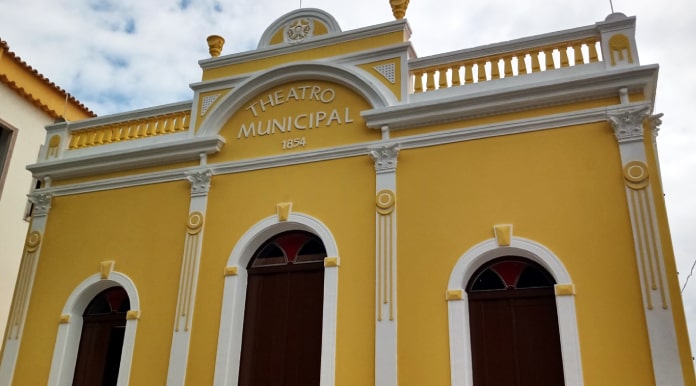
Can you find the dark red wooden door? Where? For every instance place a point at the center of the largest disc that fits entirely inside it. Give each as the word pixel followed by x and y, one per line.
pixel 514 331
pixel 281 343
pixel 103 329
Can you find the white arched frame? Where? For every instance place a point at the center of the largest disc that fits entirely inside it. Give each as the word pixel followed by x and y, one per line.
pixel 234 296
pixel 70 328
pixel 458 306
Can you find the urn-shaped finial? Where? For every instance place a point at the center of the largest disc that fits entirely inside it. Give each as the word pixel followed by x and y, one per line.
pixel 399 8
pixel 215 43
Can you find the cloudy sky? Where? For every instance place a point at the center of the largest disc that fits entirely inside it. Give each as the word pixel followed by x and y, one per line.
pixel 119 55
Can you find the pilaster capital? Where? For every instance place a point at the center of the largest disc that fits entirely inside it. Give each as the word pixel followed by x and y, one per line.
pixel 42 203
pixel 628 124
pixel 200 182
pixel 385 157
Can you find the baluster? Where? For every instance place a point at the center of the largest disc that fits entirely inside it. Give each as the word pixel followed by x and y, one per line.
pixel 468 73
pixel 456 79
pixel 128 131
pixel 83 139
pixel 507 68
pixel 592 46
pixel 73 140
pixel 155 125
pixel 104 135
pixel 417 82
pixel 139 129
pixel 108 134
pixel 187 120
pixel 430 80
pixel 92 139
pixel 563 50
pixel 442 78
pixel 521 65
pixel 481 76
pixel 179 125
pixel 536 67
pixel 144 128
pixel 495 68
pixel 99 136
pixel 548 59
pixel 577 53
pixel 166 124
pixel 152 126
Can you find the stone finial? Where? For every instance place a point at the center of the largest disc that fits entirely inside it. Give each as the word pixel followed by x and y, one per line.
pixel 399 8
pixel 215 43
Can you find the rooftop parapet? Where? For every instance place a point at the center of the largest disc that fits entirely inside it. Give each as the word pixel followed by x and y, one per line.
pixel 614 38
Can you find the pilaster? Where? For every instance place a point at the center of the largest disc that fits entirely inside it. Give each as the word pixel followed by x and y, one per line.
pixel 628 126
pixel 386 369
pixel 25 282
pixel 188 282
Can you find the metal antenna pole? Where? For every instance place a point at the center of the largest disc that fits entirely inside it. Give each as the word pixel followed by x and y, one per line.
pixel 611 4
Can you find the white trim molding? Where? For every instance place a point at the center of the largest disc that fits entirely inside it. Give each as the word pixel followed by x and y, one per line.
pixel 386 353
pixel 188 281
pixel 628 128
pixel 458 306
pixel 70 328
pixel 25 284
pixel 234 295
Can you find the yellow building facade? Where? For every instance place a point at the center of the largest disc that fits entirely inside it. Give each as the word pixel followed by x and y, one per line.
pixel 331 209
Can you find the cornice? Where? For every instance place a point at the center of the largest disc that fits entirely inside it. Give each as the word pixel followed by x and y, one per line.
pixel 180 150
pixel 460 103
pixel 355 150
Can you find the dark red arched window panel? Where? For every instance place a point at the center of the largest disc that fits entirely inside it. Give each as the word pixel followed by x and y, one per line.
pixel 289 248
pixel 510 273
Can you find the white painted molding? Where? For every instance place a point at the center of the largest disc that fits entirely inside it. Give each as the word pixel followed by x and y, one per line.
pixel 234 296
pixel 188 281
pixel 183 148
pixel 22 295
pixel 68 336
pixel 650 260
pixel 458 310
pixel 386 261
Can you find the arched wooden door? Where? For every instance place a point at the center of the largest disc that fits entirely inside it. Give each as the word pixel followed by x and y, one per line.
pixel 514 325
pixel 101 342
pixel 281 343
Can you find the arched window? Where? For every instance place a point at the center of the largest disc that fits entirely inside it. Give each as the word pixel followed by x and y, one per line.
pixel 101 341
pixel 282 333
pixel 514 325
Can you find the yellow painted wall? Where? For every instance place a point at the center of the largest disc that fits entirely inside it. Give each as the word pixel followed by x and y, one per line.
pixel 340 194
pixel 562 188
pixel 143 230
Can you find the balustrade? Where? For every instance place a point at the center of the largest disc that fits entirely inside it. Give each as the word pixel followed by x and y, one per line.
pixel 467 67
pixel 131 129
